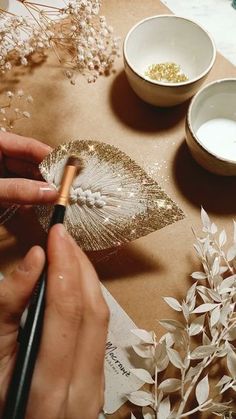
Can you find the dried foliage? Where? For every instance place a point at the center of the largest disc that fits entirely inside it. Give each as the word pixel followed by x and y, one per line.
pixel 205 337
pixel 11 109
pixel 81 39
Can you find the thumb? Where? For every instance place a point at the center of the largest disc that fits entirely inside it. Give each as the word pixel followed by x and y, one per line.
pixel 26 191
pixel 16 289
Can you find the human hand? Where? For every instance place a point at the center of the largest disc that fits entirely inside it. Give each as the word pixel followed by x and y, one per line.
pixel 68 380
pixel 19 157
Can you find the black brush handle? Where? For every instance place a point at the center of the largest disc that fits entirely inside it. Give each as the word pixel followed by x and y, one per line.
pixel 58 215
pixel 18 391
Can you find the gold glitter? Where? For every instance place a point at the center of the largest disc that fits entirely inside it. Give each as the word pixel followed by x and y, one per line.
pixel 167 72
pixel 125 216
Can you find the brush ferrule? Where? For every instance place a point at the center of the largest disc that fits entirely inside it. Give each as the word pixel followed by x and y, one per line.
pixel 67 179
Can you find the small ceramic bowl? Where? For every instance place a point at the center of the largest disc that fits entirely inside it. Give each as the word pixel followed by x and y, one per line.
pixel 211 127
pixel 162 39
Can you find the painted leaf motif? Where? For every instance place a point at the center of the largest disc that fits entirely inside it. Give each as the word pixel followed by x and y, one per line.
pixel 143 375
pixel 112 199
pixel 202 390
pixel 140 398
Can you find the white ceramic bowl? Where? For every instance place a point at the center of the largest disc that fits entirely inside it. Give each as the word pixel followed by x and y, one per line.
pixel 211 127
pixel 167 38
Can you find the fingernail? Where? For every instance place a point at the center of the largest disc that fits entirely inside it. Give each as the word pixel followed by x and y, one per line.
pixel 61 231
pixel 25 265
pixel 48 188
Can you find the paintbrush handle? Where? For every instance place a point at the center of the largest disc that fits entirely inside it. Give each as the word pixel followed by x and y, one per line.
pixel 58 214
pixel 19 387
pixel 18 392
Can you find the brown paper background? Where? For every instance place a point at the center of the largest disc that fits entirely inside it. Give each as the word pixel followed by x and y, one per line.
pixel 160 263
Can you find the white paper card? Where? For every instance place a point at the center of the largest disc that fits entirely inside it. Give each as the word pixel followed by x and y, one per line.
pixel 120 357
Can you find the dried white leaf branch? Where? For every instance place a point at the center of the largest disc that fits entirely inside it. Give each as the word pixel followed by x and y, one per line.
pixel 81 39
pixel 205 337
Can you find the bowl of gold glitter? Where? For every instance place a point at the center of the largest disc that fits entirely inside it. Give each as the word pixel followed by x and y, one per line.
pixel 167 58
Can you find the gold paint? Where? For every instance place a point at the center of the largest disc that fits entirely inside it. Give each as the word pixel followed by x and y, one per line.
pixel 166 72
pixel 100 229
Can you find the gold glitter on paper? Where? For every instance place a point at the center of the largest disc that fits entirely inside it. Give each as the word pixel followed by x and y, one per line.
pixel 166 72
pixel 112 200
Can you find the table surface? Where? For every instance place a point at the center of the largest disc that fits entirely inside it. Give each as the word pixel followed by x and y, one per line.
pixel 218 17
pixel 157 265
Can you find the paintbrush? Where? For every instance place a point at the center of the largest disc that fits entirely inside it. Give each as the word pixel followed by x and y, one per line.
pixel 29 338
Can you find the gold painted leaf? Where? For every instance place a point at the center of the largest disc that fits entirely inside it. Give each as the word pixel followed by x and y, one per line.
pixel 112 199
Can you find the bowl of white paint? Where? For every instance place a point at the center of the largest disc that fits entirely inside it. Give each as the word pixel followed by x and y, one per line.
pixel 211 127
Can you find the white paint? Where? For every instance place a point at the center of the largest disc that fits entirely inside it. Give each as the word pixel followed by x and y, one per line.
pixel 218 136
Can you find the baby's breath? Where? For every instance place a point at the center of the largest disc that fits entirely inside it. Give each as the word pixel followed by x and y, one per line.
pixel 10 109
pixel 81 39
pixel 205 337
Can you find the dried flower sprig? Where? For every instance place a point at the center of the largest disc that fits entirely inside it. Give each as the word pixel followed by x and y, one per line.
pixel 81 39
pixel 10 111
pixel 205 336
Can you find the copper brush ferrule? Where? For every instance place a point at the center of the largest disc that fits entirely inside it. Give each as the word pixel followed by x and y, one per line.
pixel 74 164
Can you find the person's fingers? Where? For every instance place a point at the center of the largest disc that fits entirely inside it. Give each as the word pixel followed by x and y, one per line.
pixel 62 319
pixel 29 149
pixel 26 191
pixel 22 168
pixel 88 371
pixel 16 289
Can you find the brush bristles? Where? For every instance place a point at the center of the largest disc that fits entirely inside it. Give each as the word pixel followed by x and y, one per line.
pixel 76 162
